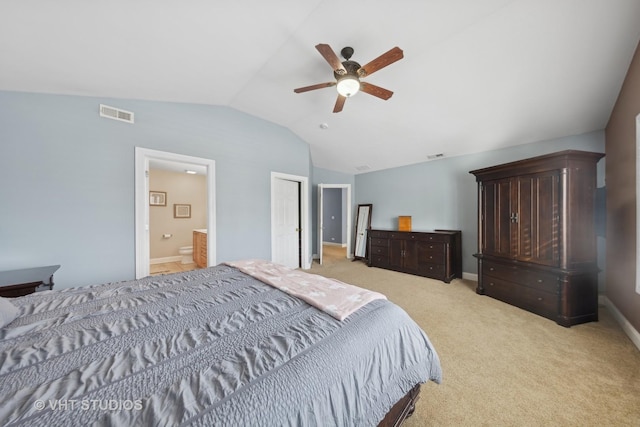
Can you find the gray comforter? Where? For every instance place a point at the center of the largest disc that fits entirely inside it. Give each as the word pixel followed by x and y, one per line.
pixel 210 347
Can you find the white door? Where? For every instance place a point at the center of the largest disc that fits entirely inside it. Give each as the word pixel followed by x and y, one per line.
pixel 287 222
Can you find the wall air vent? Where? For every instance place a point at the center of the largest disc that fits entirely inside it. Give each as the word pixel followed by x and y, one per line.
pixel 116 114
pixel 363 168
pixel 435 156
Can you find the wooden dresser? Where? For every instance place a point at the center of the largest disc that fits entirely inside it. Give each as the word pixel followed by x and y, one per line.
pixel 16 283
pixel 435 254
pixel 536 235
pixel 200 249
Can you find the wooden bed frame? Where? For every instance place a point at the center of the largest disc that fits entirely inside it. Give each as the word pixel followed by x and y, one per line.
pixel 402 410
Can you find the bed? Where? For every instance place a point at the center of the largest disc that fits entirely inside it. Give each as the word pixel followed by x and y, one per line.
pixel 217 346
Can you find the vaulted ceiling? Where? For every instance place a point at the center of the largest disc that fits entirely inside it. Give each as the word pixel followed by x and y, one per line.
pixel 476 75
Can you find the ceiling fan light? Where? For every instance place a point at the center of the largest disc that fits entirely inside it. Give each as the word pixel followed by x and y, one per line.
pixel 348 86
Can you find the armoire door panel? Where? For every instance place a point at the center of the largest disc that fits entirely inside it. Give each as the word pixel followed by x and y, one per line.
pixel 524 218
pixel 496 205
pixel 537 219
pixel 503 221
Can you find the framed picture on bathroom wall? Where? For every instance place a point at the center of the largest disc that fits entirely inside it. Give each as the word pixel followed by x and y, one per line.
pixel 182 211
pixel 157 198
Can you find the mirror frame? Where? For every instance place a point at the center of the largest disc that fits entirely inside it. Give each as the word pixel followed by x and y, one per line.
pixel 357 227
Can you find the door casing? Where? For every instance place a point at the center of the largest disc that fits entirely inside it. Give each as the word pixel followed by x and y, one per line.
pixel 321 188
pixel 142 158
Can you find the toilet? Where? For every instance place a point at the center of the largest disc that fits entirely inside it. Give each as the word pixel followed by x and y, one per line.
pixel 187 254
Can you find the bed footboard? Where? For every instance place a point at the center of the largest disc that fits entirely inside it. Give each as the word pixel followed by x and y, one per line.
pixel 402 410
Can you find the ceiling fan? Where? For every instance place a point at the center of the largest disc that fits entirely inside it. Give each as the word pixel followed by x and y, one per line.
pixel 348 74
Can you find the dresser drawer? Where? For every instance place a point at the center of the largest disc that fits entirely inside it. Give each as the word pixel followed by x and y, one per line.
pixel 420 237
pixel 432 247
pixel 377 241
pixel 434 237
pixel 541 281
pixel 531 278
pixel 379 234
pixel 432 270
pixel 435 257
pixel 534 300
pixel 380 250
pixel 379 261
pixel 499 271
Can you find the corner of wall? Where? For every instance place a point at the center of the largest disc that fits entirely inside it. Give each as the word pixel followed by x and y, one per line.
pixel 627 327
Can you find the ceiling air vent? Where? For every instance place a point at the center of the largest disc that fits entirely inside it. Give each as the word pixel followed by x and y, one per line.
pixel 363 168
pixel 435 156
pixel 116 114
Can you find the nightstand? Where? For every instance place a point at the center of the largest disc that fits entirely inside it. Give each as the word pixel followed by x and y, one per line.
pixel 16 283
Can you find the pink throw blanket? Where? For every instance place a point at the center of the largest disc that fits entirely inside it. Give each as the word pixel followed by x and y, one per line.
pixel 332 296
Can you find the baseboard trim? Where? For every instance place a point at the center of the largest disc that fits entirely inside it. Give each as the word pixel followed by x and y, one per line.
pixel 341 245
pixel 627 327
pixel 470 276
pixel 165 259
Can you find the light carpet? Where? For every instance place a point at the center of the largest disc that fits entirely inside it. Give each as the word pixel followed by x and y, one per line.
pixel 504 366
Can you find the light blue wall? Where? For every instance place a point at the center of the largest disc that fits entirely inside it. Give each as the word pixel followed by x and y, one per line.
pixel 442 193
pixel 67 179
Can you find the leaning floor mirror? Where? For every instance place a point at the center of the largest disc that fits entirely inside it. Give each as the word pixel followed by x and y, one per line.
pixel 363 224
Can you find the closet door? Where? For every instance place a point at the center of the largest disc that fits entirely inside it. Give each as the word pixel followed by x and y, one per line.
pixel 497 214
pixel 536 218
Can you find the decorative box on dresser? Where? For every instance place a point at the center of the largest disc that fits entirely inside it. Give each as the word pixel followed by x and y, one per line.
pixel 435 254
pixel 536 235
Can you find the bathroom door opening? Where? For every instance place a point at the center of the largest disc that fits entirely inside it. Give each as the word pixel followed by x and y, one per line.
pixel 144 159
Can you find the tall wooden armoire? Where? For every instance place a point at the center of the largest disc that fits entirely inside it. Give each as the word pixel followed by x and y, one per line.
pixel 536 235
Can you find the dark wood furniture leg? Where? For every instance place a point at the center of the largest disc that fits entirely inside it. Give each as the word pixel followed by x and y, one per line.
pixel 402 410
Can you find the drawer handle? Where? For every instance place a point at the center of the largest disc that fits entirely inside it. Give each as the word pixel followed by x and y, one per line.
pixel 539 280
pixel 491 284
pixel 539 298
pixel 413 237
pixel 490 268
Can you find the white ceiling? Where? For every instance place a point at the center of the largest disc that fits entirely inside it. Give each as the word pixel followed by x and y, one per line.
pixel 476 75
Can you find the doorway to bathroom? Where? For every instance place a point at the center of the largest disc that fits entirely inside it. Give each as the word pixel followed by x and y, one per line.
pixel 172 206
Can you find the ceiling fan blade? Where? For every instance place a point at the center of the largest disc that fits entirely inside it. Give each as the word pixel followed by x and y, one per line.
pixel 339 103
pixel 330 56
pixel 314 87
pixel 381 61
pixel 374 90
